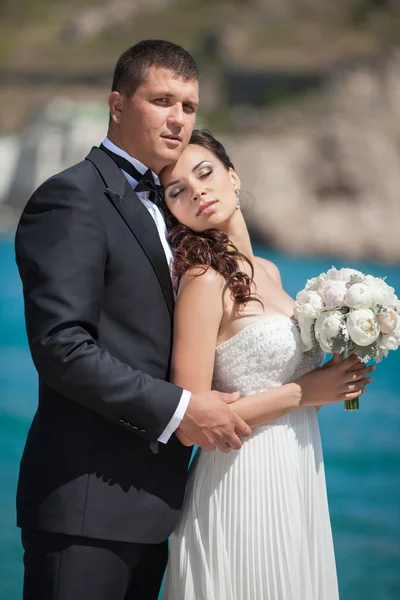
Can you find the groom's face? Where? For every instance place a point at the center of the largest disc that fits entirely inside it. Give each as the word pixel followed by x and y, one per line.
pixel 155 124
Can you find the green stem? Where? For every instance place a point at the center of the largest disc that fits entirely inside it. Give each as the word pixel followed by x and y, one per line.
pixel 352 404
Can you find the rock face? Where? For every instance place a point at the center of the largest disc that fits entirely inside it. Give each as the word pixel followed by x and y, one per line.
pixel 341 9
pixel 324 178
pixel 328 181
pixel 94 20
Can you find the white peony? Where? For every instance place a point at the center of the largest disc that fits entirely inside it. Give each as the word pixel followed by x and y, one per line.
pixel 396 305
pixel 308 303
pixel 388 320
pixel 305 324
pixel 381 292
pixel 363 327
pixel 358 295
pixel 328 326
pixel 332 292
pixel 342 274
pixel 389 341
pixel 312 284
pixel 396 331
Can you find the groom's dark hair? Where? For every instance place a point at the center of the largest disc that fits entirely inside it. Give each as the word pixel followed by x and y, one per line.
pixel 132 66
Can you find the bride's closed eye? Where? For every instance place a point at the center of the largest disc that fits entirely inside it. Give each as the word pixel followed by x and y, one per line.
pixel 176 194
pixel 202 177
pixel 205 175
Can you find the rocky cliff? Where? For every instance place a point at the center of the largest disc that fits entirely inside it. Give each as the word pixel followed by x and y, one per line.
pixel 322 177
pixel 326 179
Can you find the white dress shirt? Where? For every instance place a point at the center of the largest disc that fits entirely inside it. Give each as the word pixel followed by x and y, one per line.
pixel 162 232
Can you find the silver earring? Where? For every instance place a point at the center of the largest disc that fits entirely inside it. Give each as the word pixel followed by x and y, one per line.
pixel 237 199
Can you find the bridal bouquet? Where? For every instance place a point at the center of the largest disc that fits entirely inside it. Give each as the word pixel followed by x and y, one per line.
pixel 344 310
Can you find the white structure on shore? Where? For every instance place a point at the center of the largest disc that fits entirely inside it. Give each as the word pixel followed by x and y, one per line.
pixel 61 135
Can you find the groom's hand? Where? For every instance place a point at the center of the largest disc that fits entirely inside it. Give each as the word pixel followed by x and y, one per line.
pixel 210 423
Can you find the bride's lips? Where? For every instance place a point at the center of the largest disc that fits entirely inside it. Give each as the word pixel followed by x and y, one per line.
pixel 206 208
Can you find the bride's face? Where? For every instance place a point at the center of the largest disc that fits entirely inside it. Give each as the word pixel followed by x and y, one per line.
pixel 199 190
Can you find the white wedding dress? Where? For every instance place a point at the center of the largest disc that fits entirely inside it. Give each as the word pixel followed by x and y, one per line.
pixel 255 523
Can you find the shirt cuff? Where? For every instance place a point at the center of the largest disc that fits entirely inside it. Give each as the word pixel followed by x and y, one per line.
pixel 176 417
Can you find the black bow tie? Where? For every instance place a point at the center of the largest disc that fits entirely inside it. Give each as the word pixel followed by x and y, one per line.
pixel 147 184
pixel 145 181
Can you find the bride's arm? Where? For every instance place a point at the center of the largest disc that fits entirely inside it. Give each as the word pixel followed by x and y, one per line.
pixel 198 314
pixel 197 317
pixel 267 406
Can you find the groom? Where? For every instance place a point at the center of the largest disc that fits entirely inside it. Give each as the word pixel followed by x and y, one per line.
pixel 102 475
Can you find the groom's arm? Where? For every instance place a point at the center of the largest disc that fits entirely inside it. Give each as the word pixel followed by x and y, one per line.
pixel 61 254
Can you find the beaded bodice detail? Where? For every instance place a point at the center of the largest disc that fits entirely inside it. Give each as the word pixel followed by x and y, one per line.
pixel 267 353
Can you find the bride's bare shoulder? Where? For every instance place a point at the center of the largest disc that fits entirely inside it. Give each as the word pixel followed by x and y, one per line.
pixel 270 267
pixel 201 277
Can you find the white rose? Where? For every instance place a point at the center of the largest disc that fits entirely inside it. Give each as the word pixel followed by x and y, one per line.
pixel 342 274
pixel 332 292
pixel 328 326
pixel 363 327
pixel 358 296
pixel 388 320
pixel 305 324
pixel 309 303
pixel 381 292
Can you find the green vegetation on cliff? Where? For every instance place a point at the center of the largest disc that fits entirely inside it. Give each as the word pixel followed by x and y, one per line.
pixel 81 35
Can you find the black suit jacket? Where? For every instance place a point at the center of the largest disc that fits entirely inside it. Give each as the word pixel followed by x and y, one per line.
pixel 98 307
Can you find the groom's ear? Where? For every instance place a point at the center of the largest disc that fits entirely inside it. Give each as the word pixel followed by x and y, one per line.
pixel 234 177
pixel 115 103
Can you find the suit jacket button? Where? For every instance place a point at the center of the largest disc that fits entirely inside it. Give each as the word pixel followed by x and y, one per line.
pixel 154 447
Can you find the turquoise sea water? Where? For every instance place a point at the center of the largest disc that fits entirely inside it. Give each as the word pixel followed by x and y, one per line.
pixel 362 449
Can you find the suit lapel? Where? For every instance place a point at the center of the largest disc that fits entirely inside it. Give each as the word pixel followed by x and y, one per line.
pixel 137 218
pixel 140 222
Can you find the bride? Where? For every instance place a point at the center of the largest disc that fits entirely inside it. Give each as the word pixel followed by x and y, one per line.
pixel 255 523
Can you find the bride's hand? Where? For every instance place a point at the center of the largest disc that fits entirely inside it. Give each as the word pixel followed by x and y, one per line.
pixel 336 381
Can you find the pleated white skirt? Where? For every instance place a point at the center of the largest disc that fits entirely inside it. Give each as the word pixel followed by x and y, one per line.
pixel 255 523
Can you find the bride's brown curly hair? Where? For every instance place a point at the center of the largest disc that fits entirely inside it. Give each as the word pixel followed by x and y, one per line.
pixel 211 248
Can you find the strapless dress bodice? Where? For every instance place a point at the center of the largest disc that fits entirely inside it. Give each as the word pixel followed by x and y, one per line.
pixel 267 353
